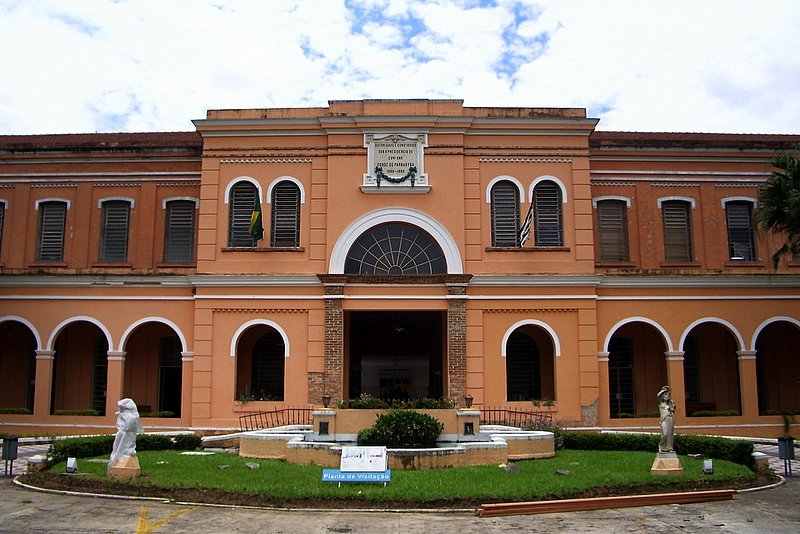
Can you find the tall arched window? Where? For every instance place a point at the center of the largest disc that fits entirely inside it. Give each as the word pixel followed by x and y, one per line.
pixel 50 239
pixel 285 227
pixel 548 231
pixel 677 231
pixel 243 199
pixel 741 237
pixel 114 231
pixel 395 249
pixel 179 231
pixel 505 214
pixel 267 369
pixel 612 226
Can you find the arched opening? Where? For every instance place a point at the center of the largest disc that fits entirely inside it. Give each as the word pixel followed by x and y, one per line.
pixel 80 370
pixel 637 369
pixel 711 371
pixel 17 366
pixel 260 364
pixel 778 368
pixel 395 249
pixel 530 365
pixel 153 376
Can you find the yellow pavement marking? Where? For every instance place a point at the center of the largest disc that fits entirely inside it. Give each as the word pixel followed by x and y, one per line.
pixel 143 527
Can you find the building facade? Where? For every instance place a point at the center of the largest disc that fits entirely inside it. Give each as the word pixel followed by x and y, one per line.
pixel 411 248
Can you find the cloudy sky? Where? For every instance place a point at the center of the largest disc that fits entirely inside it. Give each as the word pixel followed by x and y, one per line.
pixel 154 65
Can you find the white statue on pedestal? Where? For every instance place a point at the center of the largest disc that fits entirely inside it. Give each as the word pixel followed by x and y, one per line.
pixel 666 408
pixel 128 426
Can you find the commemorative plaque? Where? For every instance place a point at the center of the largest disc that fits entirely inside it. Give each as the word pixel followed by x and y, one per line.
pixel 395 163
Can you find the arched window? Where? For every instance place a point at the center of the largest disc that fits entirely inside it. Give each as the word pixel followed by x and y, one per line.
pixel 505 214
pixel 548 231
pixel 50 238
pixel 285 228
pixel 523 368
pixel 179 231
pixel 612 225
pixel 243 200
pixel 741 237
pixel 395 249
pixel 114 231
pixel 677 231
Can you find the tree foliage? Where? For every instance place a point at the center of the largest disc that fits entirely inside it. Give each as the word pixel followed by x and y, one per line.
pixel 779 203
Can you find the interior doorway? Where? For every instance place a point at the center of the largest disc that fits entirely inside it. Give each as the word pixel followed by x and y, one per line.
pixel 396 354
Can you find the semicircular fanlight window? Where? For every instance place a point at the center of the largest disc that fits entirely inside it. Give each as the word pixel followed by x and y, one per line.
pixel 395 249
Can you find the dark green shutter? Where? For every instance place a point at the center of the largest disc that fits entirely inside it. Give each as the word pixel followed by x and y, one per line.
pixel 285 230
pixel 741 241
pixel 613 228
pixel 179 231
pixel 547 215
pixel 242 200
pixel 114 231
pixel 52 216
pixel 677 231
pixel 505 215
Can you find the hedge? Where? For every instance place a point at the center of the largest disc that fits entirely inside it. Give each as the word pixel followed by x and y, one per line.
pixel 740 452
pixel 367 402
pixel 402 429
pixel 89 447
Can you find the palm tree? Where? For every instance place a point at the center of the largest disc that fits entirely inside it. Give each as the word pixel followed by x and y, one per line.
pixel 779 203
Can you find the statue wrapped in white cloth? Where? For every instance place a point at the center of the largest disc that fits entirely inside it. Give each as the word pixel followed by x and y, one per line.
pixel 123 455
pixel 666 408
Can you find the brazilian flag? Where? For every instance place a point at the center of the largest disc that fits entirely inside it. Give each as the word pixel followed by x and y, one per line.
pixel 256 228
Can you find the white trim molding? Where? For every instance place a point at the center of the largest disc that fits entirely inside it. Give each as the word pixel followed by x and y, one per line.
pixel 505 178
pixel 27 323
pixel 40 200
pixel 295 181
pixel 4 202
pixel 243 179
pixel 175 199
pixel 129 200
pixel 533 322
pixel 153 319
pixel 690 200
pixel 548 178
pixel 776 319
pixel 626 200
pixel 732 329
pixel 724 201
pixel 397 214
pixel 620 324
pixel 265 322
pixel 78 318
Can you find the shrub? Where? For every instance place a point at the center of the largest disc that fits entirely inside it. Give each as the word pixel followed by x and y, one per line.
pixel 90 411
pixel 546 424
pixel 364 402
pixel 88 447
pixel 740 452
pixel 402 429
pixel 24 411
pixel 187 442
pixel 367 402
pixel 714 413
pixel 165 413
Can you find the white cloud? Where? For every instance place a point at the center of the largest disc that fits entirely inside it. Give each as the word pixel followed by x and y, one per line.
pixel 103 65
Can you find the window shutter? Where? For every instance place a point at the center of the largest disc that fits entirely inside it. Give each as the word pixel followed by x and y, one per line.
pixel 52 216
pixel 741 242
pixel 285 230
pixel 179 238
pixel 114 231
pixel 613 227
pixel 2 222
pixel 505 215
pixel 243 198
pixel 677 231
pixel 547 211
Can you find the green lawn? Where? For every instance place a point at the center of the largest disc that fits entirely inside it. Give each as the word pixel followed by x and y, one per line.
pixel 536 480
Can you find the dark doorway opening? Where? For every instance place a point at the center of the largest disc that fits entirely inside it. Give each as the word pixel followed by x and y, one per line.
pixel 396 354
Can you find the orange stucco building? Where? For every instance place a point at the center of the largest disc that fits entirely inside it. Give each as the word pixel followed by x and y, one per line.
pixel 410 248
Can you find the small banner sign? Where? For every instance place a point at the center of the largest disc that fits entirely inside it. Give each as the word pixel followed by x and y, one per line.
pixel 336 475
pixel 363 459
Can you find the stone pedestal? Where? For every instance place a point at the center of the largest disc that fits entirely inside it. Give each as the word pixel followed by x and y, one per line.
pixel 126 467
pixel 667 464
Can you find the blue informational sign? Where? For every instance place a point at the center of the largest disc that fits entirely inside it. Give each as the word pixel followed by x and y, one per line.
pixel 336 475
